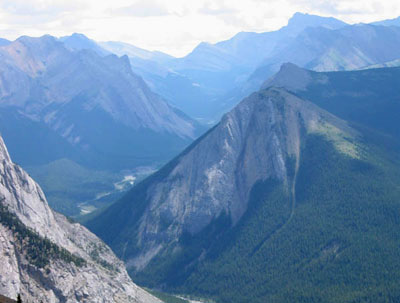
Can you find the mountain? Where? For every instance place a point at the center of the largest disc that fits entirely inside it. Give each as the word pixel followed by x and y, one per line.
pixel 177 88
pixel 300 22
pixel 321 49
pixel 4 42
pixel 57 103
pixel 47 258
pixel 221 67
pixel 121 49
pixel 248 49
pixel 83 97
pixel 366 97
pixel 285 200
pixel 195 82
pixel 78 42
pixel 388 22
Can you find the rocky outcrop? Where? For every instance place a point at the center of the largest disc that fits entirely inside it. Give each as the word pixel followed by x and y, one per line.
pixel 100 278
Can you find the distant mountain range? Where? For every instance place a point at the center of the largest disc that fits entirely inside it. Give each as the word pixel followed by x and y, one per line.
pixel 76 93
pixel 71 95
pixel 211 79
pixel 290 198
pixel 389 22
pixel 59 100
pixel 320 49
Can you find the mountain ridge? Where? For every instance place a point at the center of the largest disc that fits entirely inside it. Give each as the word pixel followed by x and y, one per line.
pixel 70 104
pixel 208 203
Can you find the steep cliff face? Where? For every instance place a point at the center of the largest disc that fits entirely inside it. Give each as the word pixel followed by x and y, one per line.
pixel 83 99
pixel 259 140
pixel 76 265
pixel 282 201
pixel 58 75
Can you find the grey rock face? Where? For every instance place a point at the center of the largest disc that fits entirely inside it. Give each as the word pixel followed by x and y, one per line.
pixel 260 139
pixel 60 281
pixel 40 77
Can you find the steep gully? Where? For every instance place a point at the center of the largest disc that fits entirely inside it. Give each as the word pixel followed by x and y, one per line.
pixel 292 207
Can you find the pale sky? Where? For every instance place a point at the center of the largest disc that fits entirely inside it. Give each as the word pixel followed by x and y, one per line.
pixel 173 26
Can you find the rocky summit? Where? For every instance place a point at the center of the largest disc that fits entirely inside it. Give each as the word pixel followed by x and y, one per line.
pixel 260 139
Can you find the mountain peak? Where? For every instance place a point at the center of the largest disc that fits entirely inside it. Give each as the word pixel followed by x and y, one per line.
pixel 4 156
pixel 45 40
pixel 301 21
pixel 289 76
pixel 251 143
pixel 79 35
pixel 78 41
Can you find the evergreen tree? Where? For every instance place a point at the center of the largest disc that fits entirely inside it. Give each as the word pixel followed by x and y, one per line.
pixel 19 300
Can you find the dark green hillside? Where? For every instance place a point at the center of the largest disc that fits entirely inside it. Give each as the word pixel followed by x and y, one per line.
pixel 341 245
pixel 368 97
pixel 331 233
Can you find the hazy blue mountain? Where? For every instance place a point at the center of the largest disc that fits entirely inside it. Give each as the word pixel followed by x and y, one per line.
pixel 223 66
pixel 195 82
pixel 389 22
pixel 278 202
pixel 84 107
pixel 178 89
pixel 300 22
pixel 121 48
pixel 79 42
pixel 4 42
pixel 320 49
pixel 248 49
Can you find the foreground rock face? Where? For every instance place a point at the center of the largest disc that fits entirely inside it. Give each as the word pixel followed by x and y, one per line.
pixel 102 278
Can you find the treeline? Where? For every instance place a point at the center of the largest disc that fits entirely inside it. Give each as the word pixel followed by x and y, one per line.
pixel 341 245
pixel 38 250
